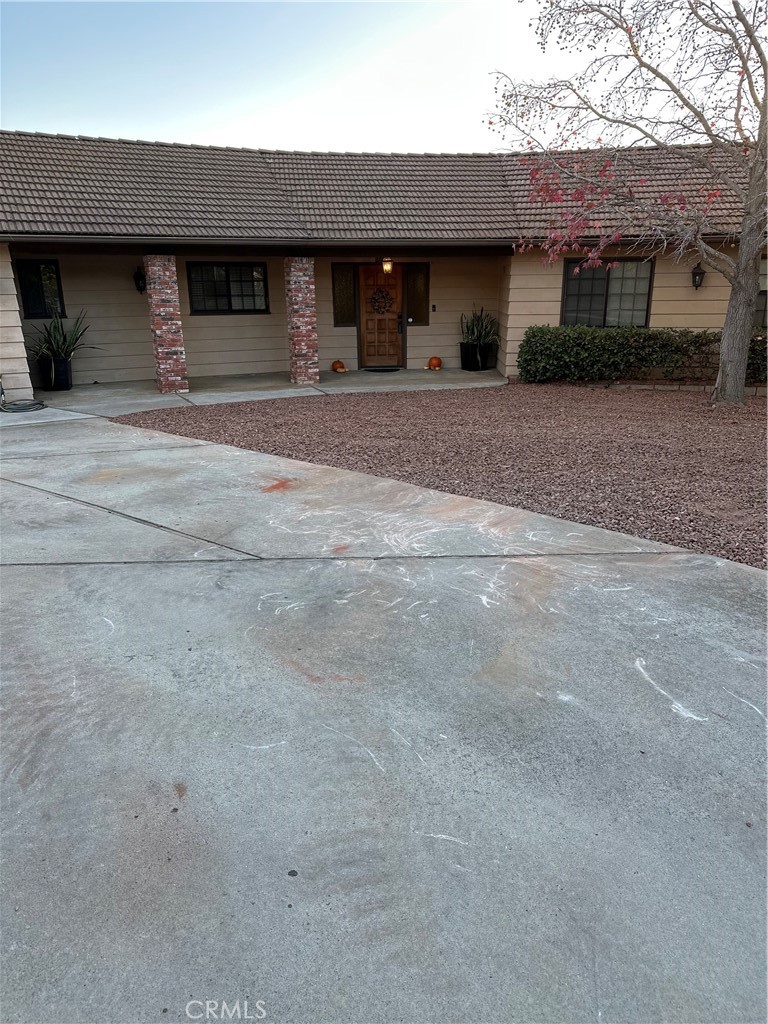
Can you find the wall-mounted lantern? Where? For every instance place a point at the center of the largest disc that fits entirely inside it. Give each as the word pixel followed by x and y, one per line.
pixel 697 276
pixel 140 280
pixel 386 265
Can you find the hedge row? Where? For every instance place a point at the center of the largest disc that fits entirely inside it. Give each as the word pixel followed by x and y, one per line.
pixel 578 353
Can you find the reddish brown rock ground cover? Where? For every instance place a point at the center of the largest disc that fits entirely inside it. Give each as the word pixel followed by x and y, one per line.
pixel 667 466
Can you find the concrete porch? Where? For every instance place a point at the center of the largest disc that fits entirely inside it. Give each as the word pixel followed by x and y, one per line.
pixel 117 399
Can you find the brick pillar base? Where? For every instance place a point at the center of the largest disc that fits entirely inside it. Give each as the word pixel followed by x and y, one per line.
pixel 301 312
pixel 165 319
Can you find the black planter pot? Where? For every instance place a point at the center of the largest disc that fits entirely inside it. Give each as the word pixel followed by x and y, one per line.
pixel 56 374
pixel 478 357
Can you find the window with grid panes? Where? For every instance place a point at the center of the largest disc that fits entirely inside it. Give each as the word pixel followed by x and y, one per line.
pixel 228 288
pixel 607 297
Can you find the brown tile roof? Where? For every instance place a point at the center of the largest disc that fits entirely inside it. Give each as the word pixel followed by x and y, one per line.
pixel 652 173
pixel 66 185
pixel 397 195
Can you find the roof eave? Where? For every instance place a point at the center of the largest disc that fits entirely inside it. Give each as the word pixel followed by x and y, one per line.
pixel 182 240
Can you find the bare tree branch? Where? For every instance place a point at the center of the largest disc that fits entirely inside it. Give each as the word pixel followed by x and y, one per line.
pixel 659 142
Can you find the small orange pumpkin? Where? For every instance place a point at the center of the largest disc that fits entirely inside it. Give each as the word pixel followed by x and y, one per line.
pixel 338 366
pixel 435 362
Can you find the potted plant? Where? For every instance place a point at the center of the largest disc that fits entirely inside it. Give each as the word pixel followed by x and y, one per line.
pixel 480 340
pixel 56 346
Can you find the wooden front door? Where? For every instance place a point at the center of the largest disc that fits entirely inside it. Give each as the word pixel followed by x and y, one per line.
pixel 381 316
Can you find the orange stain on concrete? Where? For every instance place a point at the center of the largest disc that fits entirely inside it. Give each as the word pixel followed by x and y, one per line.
pixel 313 677
pixel 281 484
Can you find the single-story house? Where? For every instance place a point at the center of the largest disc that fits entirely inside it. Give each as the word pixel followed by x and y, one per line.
pixel 194 261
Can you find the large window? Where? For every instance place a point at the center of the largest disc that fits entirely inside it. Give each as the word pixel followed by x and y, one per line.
pixel 602 297
pixel 228 288
pixel 40 288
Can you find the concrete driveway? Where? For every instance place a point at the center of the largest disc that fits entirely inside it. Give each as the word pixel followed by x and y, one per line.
pixel 349 750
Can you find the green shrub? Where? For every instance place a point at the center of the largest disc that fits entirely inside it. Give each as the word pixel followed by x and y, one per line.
pixel 579 353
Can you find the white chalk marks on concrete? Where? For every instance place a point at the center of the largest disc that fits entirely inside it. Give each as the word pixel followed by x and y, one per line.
pixel 676 706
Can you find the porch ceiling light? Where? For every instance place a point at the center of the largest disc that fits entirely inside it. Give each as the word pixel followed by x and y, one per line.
pixel 140 280
pixel 697 276
pixel 386 265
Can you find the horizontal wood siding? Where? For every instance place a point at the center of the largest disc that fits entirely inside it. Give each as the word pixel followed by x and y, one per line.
pixel 518 289
pixel 332 342
pixel 676 303
pixel 14 366
pixel 531 295
pixel 117 315
pixel 235 343
pixel 455 284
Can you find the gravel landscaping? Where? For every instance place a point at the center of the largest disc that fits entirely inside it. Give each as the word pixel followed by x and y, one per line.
pixel 667 466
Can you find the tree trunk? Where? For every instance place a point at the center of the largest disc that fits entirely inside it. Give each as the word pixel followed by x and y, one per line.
pixel 739 318
pixel 737 334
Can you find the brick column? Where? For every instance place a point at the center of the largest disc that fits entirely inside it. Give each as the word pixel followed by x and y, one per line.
pixel 165 320
pixel 301 312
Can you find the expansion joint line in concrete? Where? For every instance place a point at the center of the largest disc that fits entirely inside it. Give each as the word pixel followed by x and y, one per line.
pixel 106 451
pixel 330 557
pixel 134 519
pixel 268 559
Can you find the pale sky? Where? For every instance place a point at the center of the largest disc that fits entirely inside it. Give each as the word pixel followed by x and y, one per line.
pixel 328 76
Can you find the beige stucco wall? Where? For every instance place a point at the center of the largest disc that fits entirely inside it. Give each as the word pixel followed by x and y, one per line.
pixel 531 294
pixel 455 283
pixel 117 315
pixel 13 356
pixel 235 343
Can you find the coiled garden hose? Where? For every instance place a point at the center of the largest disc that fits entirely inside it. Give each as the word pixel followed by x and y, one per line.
pixel 20 406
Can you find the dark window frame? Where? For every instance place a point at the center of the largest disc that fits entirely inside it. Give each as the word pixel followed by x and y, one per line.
pixel 355 291
pixel 567 264
pixel 37 262
pixel 427 267
pixel 760 321
pixel 227 264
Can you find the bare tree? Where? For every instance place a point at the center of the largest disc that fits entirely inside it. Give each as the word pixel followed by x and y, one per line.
pixel 659 142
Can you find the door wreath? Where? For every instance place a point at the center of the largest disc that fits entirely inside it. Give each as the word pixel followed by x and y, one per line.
pixel 382 301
